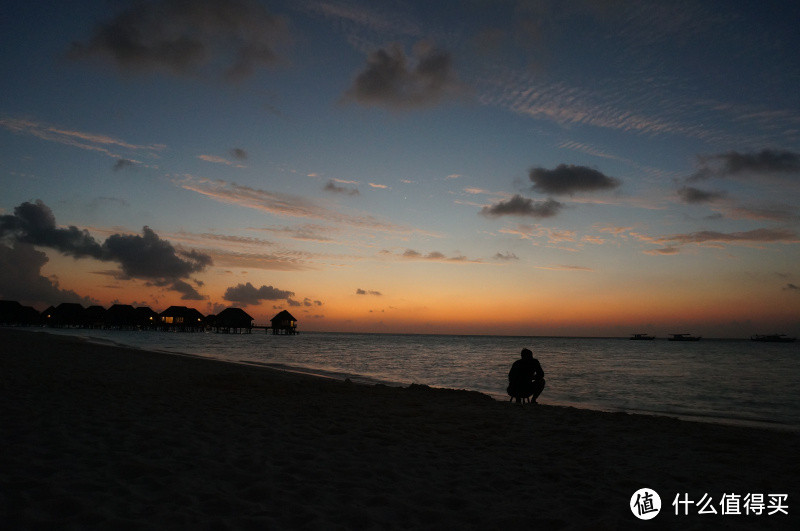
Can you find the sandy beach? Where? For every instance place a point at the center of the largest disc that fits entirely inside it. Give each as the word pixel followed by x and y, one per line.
pixel 103 437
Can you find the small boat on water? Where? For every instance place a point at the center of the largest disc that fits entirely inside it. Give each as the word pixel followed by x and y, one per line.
pixel 640 337
pixel 773 338
pixel 684 337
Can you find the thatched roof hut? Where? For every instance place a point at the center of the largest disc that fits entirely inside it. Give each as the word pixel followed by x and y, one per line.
pixel 182 318
pixel 233 319
pixel 284 323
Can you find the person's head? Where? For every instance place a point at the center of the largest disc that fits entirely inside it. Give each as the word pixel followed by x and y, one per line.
pixel 527 354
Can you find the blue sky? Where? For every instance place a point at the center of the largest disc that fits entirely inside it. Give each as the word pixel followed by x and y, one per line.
pixel 529 167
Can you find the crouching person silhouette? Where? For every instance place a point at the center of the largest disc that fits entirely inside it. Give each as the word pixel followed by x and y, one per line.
pixel 526 378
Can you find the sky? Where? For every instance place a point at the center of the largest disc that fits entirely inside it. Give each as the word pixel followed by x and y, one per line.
pixel 528 167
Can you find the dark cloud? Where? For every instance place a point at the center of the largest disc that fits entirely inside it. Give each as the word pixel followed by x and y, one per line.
pixel 767 161
pixel 22 280
pixel 569 179
pixel 394 80
pixel 184 36
pixel 331 186
pixel 791 287
pixel 187 291
pixel 523 206
pixel 689 194
pixel 144 257
pixel 752 236
pixel 506 257
pixel 123 164
pixel 248 294
pixel 360 291
pixel 239 154
pixel 35 223
pixel 148 256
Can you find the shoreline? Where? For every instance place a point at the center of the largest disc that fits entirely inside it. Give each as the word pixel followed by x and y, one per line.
pixel 688 416
pixel 97 436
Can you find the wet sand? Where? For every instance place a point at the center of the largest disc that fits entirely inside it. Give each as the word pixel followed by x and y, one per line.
pixel 102 437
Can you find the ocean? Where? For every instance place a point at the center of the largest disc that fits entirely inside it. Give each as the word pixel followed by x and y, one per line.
pixel 723 381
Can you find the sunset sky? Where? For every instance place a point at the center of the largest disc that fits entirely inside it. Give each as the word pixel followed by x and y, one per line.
pixel 509 167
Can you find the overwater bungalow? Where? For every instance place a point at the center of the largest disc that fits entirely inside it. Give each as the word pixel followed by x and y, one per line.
pixel 145 317
pixel 231 320
pixel 121 317
pixel 284 323
pixel 641 337
pixel 182 319
pixel 67 315
pixel 15 314
pixel 94 317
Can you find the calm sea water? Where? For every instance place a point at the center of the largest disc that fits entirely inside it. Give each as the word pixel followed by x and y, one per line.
pixel 729 381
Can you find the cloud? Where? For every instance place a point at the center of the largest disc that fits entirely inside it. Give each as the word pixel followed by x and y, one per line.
pixel 569 179
pixel 282 204
pixel 435 256
pixel 567 268
pixel 247 294
pixel 79 139
pixel 22 279
pixel 148 256
pixel 123 164
pixel 733 163
pixel 791 287
pixel 752 236
pixel 523 206
pixel 220 160
pixel 183 37
pixel 506 257
pixel 332 187
pixel 144 257
pixel 35 223
pixel 360 291
pixel 238 154
pixel 187 291
pixel 689 194
pixel 392 79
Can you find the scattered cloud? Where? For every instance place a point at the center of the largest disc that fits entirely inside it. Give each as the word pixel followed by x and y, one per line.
pixel 567 268
pixel 689 194
pixel 506 257
pixel 523 206
pixel 567 179
pixel 433 256
pixel 360 291
pixel 332 187
pixel 123 164
pixel 396 81
pixel 184 38
pixel 220 160
pixel 751 236
pixel 88 141
pixel 733 163
pixel 281 204
pixel 239 154
pixel 791 287
pixel 247 294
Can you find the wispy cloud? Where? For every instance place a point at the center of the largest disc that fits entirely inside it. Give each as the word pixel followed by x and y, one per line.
pixel 79 139
pixel 567 268
pixel 282 205
pixel 220 160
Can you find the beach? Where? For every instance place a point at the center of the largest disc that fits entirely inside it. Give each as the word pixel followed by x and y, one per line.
pixel 105 437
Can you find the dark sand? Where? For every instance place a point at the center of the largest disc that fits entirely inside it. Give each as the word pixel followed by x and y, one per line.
pixel 106 438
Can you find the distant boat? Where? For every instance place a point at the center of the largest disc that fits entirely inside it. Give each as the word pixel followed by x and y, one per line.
pixel 684 337
pixel 773 338
pixel 641 337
